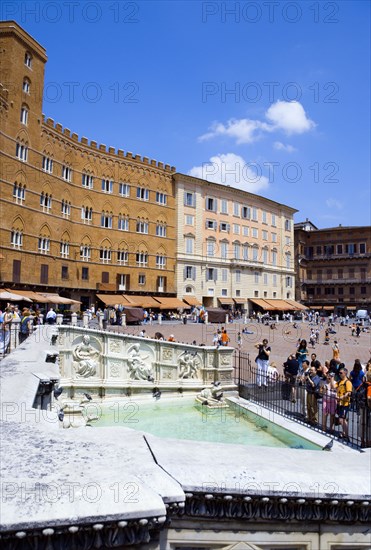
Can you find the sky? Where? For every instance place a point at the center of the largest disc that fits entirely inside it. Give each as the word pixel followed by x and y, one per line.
pixel 272 97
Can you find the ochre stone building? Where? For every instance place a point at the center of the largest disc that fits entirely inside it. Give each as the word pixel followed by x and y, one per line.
pixel 76 218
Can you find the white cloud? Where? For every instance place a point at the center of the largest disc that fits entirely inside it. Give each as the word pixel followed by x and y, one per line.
pixel 282 147
pixel 290 117
pixel 243 130
pixel 334 203
pixel 233 170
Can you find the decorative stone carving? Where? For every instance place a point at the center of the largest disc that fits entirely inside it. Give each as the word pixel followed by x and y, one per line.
pixel 188 365
pixel 225 359
pixel 138 369
pixel 115 346
pixel 115 369
pixel 86 358
pixel 167 374
pixel 167 354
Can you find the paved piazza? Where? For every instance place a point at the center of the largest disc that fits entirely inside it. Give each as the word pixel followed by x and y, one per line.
pixel 283 340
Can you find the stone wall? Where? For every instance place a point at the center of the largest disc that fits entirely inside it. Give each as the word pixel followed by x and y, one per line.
pixel 110 364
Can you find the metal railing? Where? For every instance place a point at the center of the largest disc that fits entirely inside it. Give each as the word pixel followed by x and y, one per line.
pixel 289 398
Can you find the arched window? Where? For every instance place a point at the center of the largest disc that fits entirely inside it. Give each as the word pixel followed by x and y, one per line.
pixel 19 192
pixel 24 115
pixel 16 238
pixel 87 214
pixel 26 85
pixel 28 60
pixel 21 151
pixel 45 201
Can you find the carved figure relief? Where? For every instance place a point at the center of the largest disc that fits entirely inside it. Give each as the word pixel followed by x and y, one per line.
pixel 189 365
pixel 138 368
pixel 86 358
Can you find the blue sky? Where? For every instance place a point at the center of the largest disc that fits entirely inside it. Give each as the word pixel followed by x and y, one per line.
pixel 270 97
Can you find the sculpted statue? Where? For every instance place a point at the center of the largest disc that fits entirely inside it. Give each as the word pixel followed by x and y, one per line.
pixel 86 358
pixel 138 369
pixel 189 365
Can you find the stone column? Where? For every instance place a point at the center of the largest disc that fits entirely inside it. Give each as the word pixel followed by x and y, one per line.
pixel 59 319
pixel 123 320
pixel 159 319
pixel 74 319
pixel 85 319
pixel 14 333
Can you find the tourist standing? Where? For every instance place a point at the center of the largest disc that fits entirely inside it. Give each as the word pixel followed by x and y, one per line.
pixel 262 362
pixel 328 390
pixel 344 391
pixel 312 386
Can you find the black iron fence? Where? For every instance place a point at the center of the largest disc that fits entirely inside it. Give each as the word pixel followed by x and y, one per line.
pixel 288 396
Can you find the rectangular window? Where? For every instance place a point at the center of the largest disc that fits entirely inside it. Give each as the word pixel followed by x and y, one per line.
pixel 224 250
pixel 85 273
pixel 65 208
pixel 65 249
pixel 44 274
pixel 245 231
pixel 210 248
pixel 16 239
pixel 44 245
pixel 189 272
pixel 363 290
pixel 107 186
pixel 265 235
pixel 224 275
pixel 160 230
pixel 224 206
pixel 352 290
pixel 21 152
pixel 350 249
pixel 265 256
pixel 189 199
pixel 236 251
pixel 105 277
pixel 274 257
pixel 236 229
pixel 124 189
pixel 19 193
pixel 66 173
pixel 224 292
pixel 45 201
pixel 105 255
pixel 28 60
pixel 287 225
pixel 123 281
pixel 288 241
pixel 236 209
pixel 245 252
pixel 142 194
pixel 274 220
pixel 211 204
pixel 264 216
pixel 161 284
pixel 211 224
pixel 142 259
pixel 16 278
pixel 274 237
pixel 160 262
pixel 256 277
pixel 87 181
pixel 106 220
pixel 122 257
pixel 189 220
pixel 189 245
pixel 238 276
pixel 288 282
pixel 87 214
pixel 141 279
pixel 265 279
pixel 211 274
pixel 339 249
pixel 246 212
pixel 255 232
pixel 362 248
pixel 340 291
pixel 161 198
pixel 225 227
pixel 64 273
pixel 48 165
pixel 123 223
pixel 85 253
pixel 274 277
pixel 255 214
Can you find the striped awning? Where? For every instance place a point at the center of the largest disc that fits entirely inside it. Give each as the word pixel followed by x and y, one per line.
pixel 113 300
pixel 192 301
pixel 171 303
pixel 226 301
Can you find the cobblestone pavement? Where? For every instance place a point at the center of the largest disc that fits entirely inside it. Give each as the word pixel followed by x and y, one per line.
pixel 283 340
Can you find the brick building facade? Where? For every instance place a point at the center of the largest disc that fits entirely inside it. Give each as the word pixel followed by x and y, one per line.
pixel 333 267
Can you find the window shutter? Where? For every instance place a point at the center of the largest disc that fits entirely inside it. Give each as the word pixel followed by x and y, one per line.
pixel 193 273
pixel 215 275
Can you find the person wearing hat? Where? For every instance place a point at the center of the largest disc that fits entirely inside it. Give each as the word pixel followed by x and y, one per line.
pixel 26 325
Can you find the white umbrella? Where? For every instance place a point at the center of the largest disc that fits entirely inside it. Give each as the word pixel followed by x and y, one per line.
pixel 6 295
